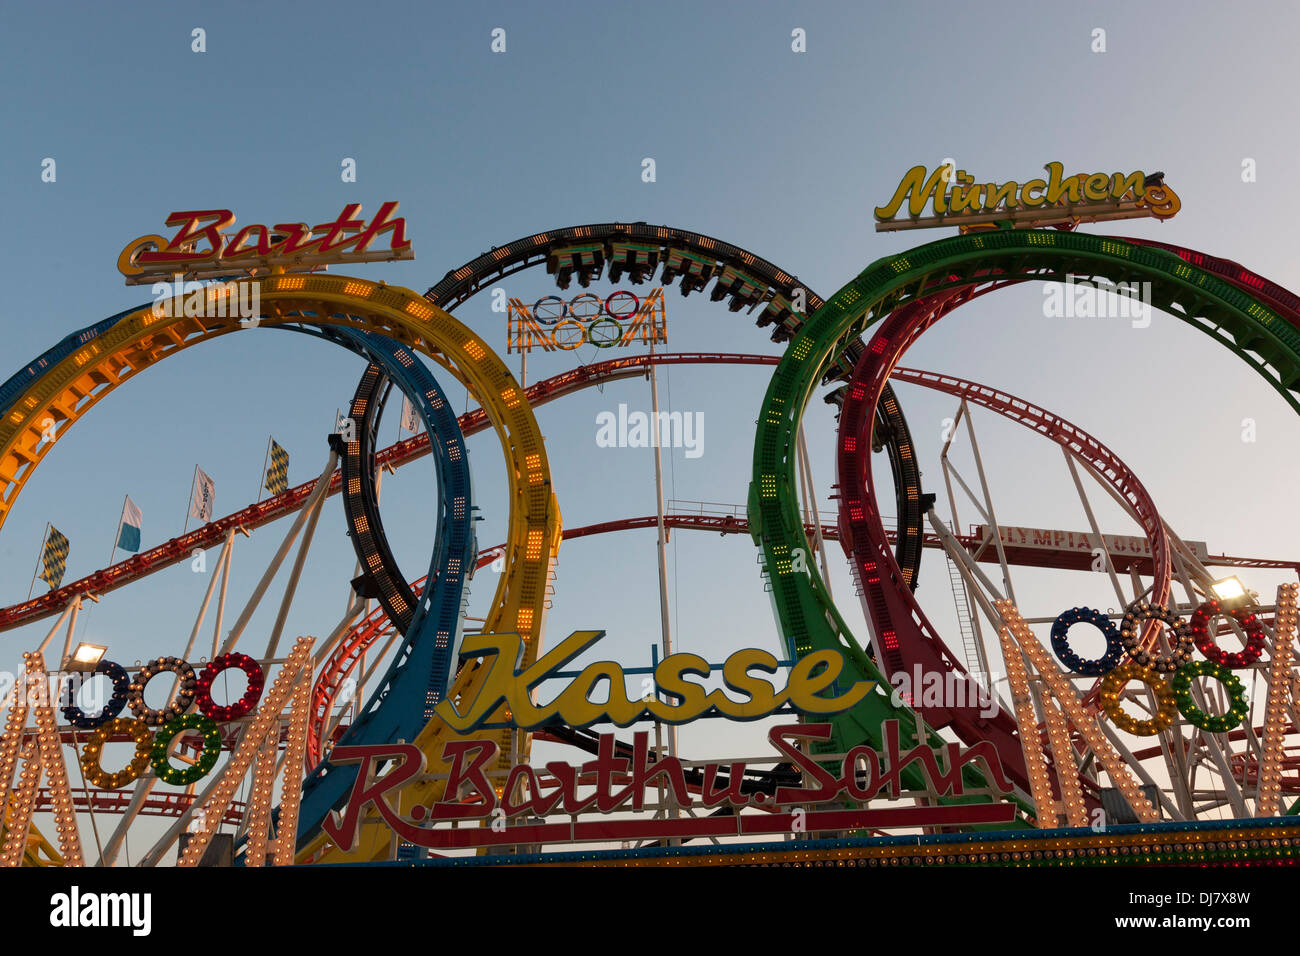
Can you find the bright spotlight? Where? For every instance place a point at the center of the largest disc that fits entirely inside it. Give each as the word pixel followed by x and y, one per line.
pixel 1229 589
pixel 86 657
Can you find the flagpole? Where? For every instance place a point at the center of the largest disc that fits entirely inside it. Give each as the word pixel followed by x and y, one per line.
pixel 117 532
pixel 190 499
pixel 261 481
pixel 39 555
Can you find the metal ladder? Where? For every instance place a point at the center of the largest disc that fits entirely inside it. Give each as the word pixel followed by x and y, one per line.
pixel 964 623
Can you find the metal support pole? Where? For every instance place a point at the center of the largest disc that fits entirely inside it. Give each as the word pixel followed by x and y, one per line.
pixel 72 626
pixel 809 491
pixel 189 499
pixel 207 599
pixel 665 630
pixel 318 493
pixel 224 567
pixel 57 624
pixel 40 559
pixel 1092 523
pixel 261 476
pixel 291 587
pixel 1132 762
pixel 112 554
pixel 988 503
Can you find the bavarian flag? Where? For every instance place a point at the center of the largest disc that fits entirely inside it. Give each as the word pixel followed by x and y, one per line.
pixel 277 476
pixel 54 561
pixel 128 532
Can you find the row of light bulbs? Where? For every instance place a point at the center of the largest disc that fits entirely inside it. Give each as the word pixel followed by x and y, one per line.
pixel 1064 692
pixel 1040 785
pixel 1275 719
pixel 259 803
pixel 12 741
pixel 51 751
pixel 1058 734
pixel 28 778
pixel 248 748
pixel 295 752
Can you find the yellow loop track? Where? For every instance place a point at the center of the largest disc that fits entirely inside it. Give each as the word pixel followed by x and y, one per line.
pixel 69 389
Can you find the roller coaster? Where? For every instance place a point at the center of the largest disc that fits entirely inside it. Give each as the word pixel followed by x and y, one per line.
pixel 1219 786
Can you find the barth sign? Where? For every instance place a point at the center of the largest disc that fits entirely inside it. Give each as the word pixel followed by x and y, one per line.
pixel 200 249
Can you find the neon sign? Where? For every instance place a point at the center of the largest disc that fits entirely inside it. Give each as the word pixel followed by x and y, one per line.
pixel 1173 696
pixel 956 199
pixel 620 319
pixel 505 684
pixel 152 748
pixel 200 248
pixel 620 782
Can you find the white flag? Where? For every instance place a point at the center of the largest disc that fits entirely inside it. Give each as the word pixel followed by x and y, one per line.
pixel 205 491
pixel 410 418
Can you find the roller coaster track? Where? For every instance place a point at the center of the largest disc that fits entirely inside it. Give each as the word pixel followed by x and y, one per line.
pixel 69 379
pixel 459 284
pixel 403 700
pixel 697 260
pixel 740 276
pixel 693 260
pixel 179 549
pixel 925 282
pixel 931 652
pixel 43 401
pixel 893 610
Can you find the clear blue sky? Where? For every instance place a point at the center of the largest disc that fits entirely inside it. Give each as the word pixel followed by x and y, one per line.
pixel 782 153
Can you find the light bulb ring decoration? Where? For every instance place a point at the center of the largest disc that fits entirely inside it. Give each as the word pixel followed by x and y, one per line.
pixel 246 703
pixel 78 718
pixel 1066 654
pixel 1113 684
pixel 602 343
pixel 185 681
pixel 91 754
pixel 1130 632
pixel 1181 684
pixel 622 316
pixel 162 764
pixel 586 306
pixel 1205 641
pixel 544 316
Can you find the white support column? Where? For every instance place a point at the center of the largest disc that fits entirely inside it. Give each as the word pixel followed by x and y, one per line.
pixel 207 597
pixel 1092 523
pixel 809 491
pixel 988 504
pixel 226 558
pixel 665 629
pixel 72 626
pixel 308 508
